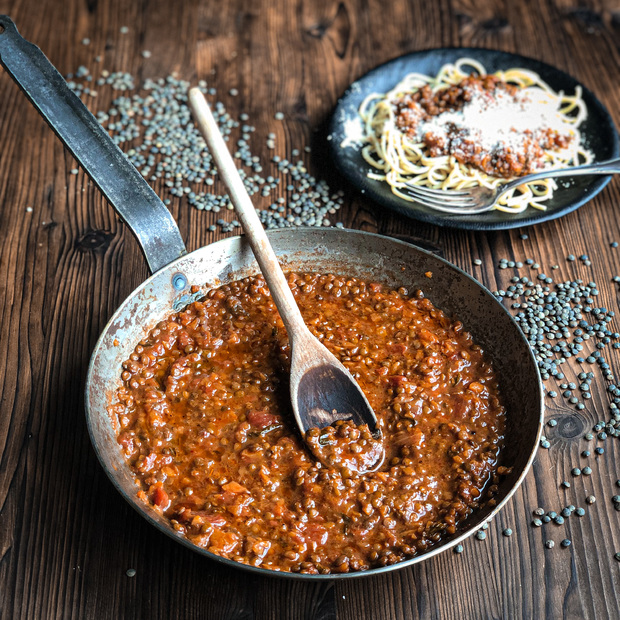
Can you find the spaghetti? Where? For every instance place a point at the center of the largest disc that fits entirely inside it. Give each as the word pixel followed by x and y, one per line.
pixel 463 129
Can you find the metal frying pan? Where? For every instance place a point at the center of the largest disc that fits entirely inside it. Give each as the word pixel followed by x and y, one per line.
pixel 344 252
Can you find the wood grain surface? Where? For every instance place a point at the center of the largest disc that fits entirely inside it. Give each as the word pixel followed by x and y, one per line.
pixel 67 537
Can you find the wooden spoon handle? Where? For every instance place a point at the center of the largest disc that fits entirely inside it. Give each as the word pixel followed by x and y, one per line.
pixel 255 233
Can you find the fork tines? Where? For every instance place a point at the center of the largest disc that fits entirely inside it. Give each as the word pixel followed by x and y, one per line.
pixel 439 197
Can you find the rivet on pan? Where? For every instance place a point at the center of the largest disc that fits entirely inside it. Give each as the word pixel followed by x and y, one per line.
pixel 179 281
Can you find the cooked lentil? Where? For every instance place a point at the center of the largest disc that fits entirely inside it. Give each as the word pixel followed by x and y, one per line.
pixel 203 420
pixel 345 444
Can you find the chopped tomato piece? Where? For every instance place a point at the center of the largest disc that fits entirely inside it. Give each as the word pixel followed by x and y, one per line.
pixel 397 379
pixel 160 498
pixel 234 487
pixel 263 419
pixel 225 498
pixel 126 440
pixel 240 507
pixel 279 509
pixel 261 548
pixel 146 463
pixel 223 543
pixel 316 534
pixel 215 520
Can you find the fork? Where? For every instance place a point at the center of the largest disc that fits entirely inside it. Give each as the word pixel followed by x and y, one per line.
pixel 472 200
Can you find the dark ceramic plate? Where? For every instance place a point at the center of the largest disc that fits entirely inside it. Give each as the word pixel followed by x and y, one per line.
pixel 598 134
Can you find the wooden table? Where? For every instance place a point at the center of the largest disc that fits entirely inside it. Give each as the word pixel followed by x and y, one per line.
pixel 67 537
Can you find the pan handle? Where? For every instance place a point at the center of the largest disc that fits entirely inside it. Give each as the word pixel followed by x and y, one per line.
pixel 118 180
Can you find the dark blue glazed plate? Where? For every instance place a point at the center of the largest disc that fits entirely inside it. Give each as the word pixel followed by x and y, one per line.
pixel 598 134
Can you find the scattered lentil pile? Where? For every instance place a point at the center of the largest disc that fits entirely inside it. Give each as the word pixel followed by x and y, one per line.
pixel 153 124
pixel 562 321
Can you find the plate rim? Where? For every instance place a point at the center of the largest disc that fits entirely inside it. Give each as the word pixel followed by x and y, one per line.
pixel 368 188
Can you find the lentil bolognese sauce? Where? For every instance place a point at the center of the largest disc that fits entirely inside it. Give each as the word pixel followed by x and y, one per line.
pixel 203 418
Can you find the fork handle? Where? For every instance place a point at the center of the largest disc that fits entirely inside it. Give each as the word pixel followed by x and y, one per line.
pixel 611 166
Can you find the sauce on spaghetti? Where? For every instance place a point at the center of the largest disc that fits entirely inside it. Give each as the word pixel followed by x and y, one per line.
pixel 204 421
pixel 483 122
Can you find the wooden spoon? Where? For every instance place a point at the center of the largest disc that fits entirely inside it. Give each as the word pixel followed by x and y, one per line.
pixel 322 389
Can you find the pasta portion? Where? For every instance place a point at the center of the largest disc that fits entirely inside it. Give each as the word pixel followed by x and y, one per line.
pixel 464 128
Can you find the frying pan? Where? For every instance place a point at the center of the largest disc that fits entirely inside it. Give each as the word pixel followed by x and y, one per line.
pixel 169 289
